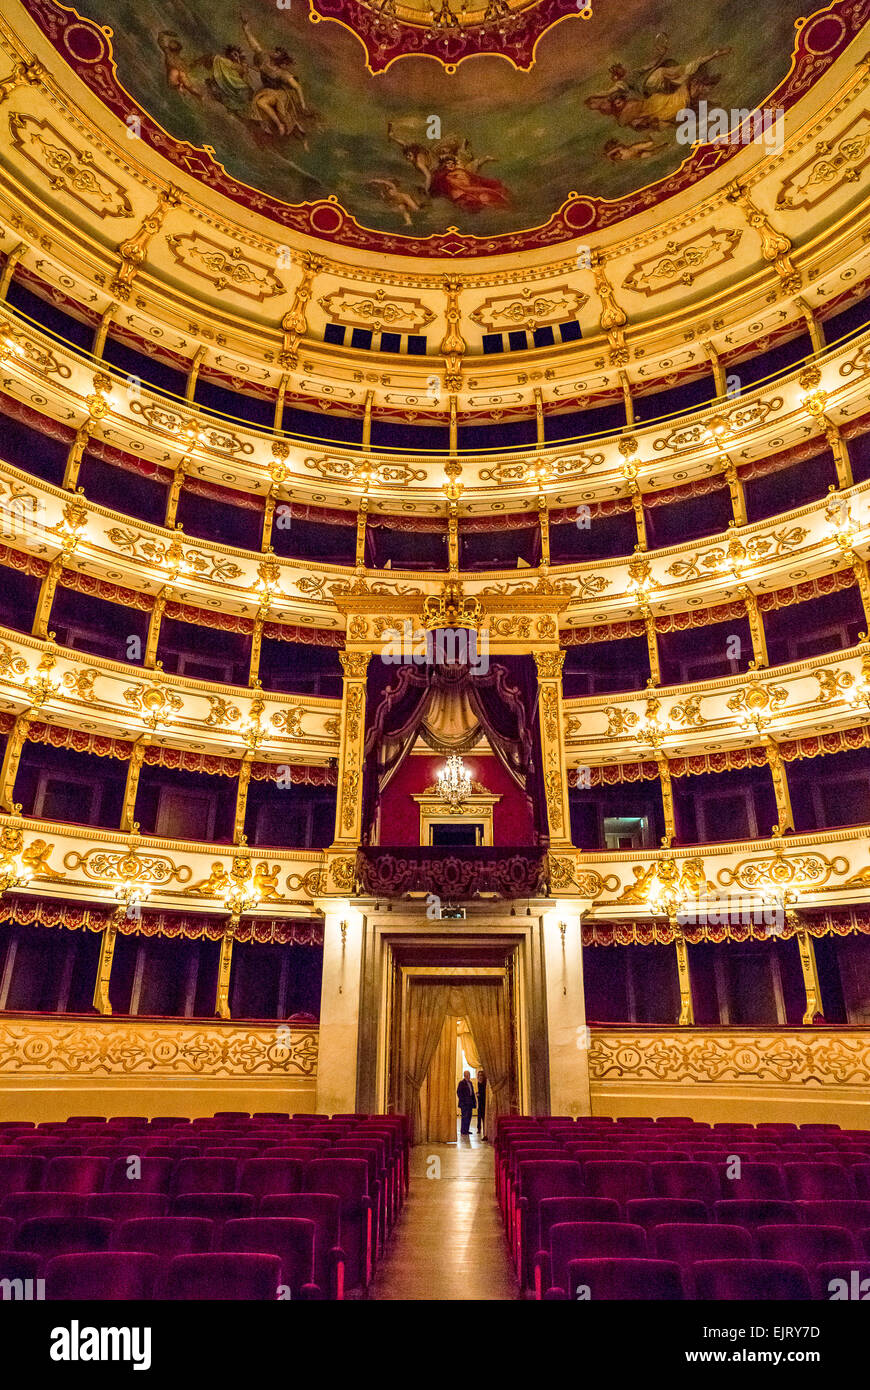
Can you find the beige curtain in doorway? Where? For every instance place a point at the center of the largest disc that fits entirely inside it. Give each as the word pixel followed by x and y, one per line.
pixel 438 1095
pixel 427 1007
pixel 487 1019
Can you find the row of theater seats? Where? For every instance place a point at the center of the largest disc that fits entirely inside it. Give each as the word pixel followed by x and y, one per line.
pixel 230 1207
pixel 678 1209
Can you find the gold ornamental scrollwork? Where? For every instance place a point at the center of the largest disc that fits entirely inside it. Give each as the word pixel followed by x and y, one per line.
pixel 313 884
pixel 807 869
pixel 127 866
pixel 567 875
pixel 826 1059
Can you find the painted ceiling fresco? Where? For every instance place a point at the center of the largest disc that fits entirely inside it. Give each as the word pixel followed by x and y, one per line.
pixel 290 108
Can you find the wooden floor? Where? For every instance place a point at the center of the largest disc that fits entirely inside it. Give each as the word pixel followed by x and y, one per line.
pixel 449 1243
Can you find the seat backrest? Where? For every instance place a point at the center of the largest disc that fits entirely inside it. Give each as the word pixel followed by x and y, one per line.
pixel 553 1211
pixel 21 1173
pixel 123 1206
pixel 166 1236
pixel 226 1277
pixel 148 1174
pixel 651 1212
pixel 109 1275
pixel 24 1205
pixel 806 1245
pixel 751 1279
pixel 261 1176
pixel 290 1238
pixel 63 1235
pixel 344 1177
pixel 205 1175
pixel 76 1174
pixel 753 1212
pixel 592 1240
pixel 625 1279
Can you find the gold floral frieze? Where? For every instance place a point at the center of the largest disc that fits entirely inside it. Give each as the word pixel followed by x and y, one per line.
pixel 810 1058
pixel 224 268
pixel 69 170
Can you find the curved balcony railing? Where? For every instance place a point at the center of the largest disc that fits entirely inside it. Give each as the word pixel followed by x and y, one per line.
pixel 772 415
pixel 812 540
pixel 81 864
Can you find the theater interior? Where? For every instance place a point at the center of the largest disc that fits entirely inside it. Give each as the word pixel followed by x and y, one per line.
pixel 434 613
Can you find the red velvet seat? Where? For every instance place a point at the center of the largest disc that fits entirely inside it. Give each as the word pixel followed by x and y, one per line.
pixel 861 1179
pixel 204 1175
pixel 164 1236
pixel 152 1174
pixel 262 1176
pixel 625 1279
pixel 21 1206
pixel 819 1182
pixel 851 1214
pixel 687 1243
pixel 620 1180
pixel 106 1276
pixel 226 1277
pixel 347 1178
pixel 290 1238
pixel 83 1174
pixel 123 1206
pixel 324 1209
pixel 809 1246
pixel 752 1280
pixel 756 1182
pixel 7 1232
pixel 650 1212
pixel 687 1178
pixel 217 1206
pixel 62 1235
pixel 752 1213
pixel 536 1181
pixel 23 1265
pixel 589 1240
pixel 23 1173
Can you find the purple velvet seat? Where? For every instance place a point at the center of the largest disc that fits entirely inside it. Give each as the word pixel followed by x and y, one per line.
pixel 650 1212
pixel 757 1182
pixel 290 1238
pixel 625 1279
pixel 19 1264
pixel 262 1176
pixel 751 1212
pixel 104 1276
pixel 688 1243
pixel 22 1173
pixel 227 1277
pixel 123 1206
pixel 809 1246
pixel 851 1214
pixel 7 1232
pixel 324 1209
pixel 699 1181
pixel 852 1280
pixel 63 1235
pixel 819 1181
pixel 537 1180
pixel 621 1180
pixel 194 1175
pixel 770 1280
pixel 347 1178
pixel 218 1206
pixel 164 1236
pixel 83 1174
pixel 150 1175
pixel 23 1205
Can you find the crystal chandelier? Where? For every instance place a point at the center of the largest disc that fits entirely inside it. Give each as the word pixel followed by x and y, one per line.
pixel 454 782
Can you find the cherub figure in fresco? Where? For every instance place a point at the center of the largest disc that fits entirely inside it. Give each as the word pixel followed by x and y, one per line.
pixel 280 103
pixel 449 169
pixel 652 97
pixel 229 81
pixel 176 74
pixel 396 198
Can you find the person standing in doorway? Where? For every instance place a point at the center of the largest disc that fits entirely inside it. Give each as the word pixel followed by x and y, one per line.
pixel 465 1096
pixel 481 1101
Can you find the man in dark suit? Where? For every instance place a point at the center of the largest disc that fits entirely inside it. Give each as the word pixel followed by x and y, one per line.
pixel 465 1096
pixel 481 1100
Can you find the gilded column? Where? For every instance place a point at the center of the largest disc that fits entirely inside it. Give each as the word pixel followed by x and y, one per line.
pixel 810 972
pixel 667 787
pixel 11 758
pixel 549 666
pixel 627 445
pixel 361 521
pixel 12 259
pixel 756 625
pixel 862 578
pixel 348 811
pixel 814 326
pixel 735 487
pixel 134 249
pixel 101 1001
pixel 74 457
pixel 103 330
pixel 131 787
pixel 775 246
pixel 452 535
pixel 539 416
pixel 627 398
pixel 652 644
pixel 840 449
pixel 174 494
pixel 154 624
pixel 720 378
pixel 295 322
pixel 278 421
pixel 242 786
pixel 687 1011
pixel 193 374
pixel 225 966
pixel 453 436
pixel 780 785
pixel 47 591
pixel 544 522
pixel 271 501
pixel 453 345
pixel 614 319
pixel 367 422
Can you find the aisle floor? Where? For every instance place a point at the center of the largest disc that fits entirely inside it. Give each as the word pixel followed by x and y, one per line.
pixel 449 1243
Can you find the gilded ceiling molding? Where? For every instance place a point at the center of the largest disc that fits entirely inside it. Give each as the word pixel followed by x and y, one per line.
pixel 133 251
pixel 386 313
pixel 839 161
pixel 682 262
pixel 295 322
pixel 529 310
pixel 775 246
pixel 66 168
pixel 224 269
pixel 613 317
